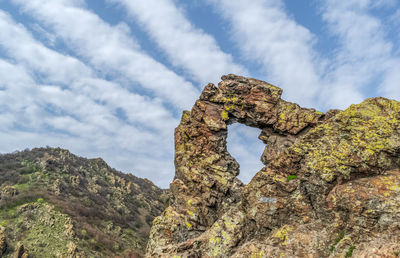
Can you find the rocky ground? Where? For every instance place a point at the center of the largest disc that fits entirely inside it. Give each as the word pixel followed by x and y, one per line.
pixel 330 186
pixel 55 204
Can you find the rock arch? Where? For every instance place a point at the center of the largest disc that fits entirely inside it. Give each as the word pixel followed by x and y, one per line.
pixel 341 177
pixel 205 183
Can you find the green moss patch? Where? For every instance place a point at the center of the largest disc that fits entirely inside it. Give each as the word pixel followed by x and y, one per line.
pixel 290 178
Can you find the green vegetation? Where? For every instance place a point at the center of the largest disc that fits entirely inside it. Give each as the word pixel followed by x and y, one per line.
pixel 337 240
pixel 396 253
pixel 291 177
pixel 53 201
pixel 349 252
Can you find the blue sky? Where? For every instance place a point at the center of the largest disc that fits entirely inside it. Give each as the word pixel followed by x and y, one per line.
pixel 110 78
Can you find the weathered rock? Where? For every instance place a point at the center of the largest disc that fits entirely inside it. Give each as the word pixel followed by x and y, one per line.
pixel 8 192
pixel 21 252
pixel 3 242
pixel 330 187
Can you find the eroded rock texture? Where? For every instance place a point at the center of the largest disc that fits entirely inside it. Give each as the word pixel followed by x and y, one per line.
pixel 330 187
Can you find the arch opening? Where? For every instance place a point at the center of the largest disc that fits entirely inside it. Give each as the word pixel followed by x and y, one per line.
pixel 243 145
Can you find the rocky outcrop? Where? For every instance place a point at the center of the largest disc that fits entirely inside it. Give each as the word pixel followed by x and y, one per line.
pixel 8 192
pixel 330 185
pixel 60 205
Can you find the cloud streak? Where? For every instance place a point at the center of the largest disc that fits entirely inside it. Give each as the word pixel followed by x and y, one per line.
pixel 110 49
pixel 186 46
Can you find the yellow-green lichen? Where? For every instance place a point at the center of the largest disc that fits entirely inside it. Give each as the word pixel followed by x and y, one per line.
pixel 188 225
pixel 224 115
pixel 283 234
pixel 279 178
pixel 355 137
pixel 257 254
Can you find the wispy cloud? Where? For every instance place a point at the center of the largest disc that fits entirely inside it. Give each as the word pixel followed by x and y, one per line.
pixel 365 60
pixel 56 68
pixel 110 49
pixel 265 32
pixel 187 47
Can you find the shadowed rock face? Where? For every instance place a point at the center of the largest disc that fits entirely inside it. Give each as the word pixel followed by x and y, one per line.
pixel 330 187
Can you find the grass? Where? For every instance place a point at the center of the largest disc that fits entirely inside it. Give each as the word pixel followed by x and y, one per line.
pixel 291 177
pixel 22 187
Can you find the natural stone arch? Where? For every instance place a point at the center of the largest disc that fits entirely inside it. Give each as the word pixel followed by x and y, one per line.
pixel 205 183
pixel 343 175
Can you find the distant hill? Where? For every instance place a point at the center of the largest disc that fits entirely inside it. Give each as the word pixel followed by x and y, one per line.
pixel 56 204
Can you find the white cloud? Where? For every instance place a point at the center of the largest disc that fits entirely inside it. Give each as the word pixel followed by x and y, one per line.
pixel 19 43
pixel 365 55
pixel 265 32
pixel 185 45
pixel 56 68
pixel 110 49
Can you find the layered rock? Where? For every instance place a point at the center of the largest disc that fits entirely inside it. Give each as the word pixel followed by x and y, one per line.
pixel 330 186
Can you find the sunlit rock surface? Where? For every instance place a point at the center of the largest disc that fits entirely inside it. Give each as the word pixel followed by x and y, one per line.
pixel 330 186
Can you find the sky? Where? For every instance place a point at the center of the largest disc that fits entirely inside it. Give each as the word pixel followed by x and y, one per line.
pixel 110 78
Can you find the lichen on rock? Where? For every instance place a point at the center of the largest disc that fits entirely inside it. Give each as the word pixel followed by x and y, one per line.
pixel 324 174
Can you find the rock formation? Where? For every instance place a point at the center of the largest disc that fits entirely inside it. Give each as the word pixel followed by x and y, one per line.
pixel 330 186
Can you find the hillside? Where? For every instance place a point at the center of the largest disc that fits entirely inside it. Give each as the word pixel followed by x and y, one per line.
pixel 330 186
pixel 56 204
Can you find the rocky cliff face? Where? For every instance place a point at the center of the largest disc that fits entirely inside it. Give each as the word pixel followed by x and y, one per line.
pixel 55 204
pixel 330 186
